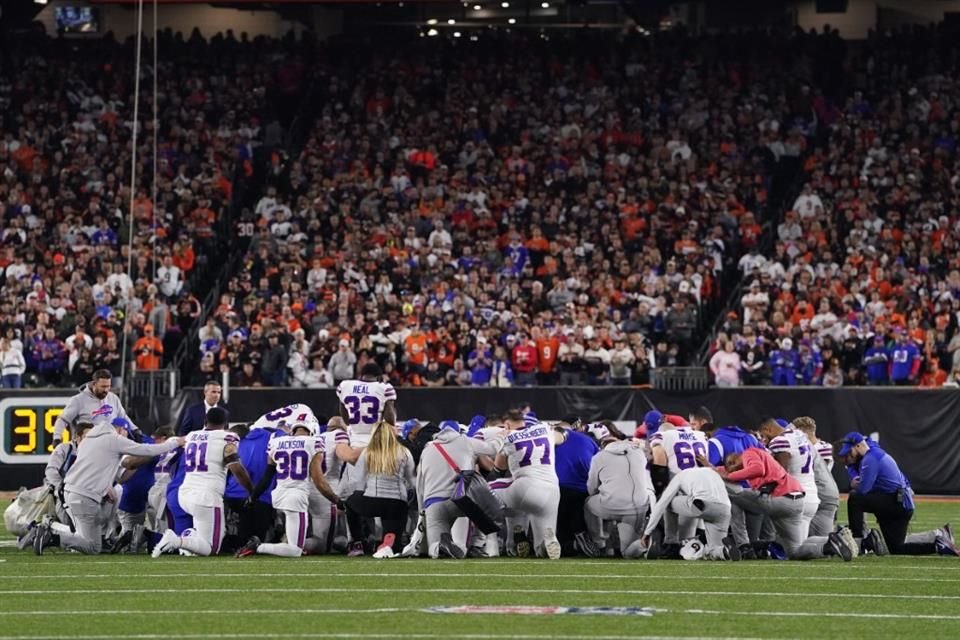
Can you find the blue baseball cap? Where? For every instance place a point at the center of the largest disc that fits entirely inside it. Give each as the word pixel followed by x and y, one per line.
pixel 530 419
pixel 408 426
pixel 450 424
pixel 476 423
pixel 780 421
pixel 849 441
pixel 653 419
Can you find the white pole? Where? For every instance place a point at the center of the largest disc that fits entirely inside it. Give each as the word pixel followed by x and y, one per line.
pixel 133 178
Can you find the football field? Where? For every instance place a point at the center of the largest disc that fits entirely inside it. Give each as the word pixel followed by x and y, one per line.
pixel 65 595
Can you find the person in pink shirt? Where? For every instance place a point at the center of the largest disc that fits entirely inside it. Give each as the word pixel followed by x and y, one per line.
pixel 778 495
pixel 725 366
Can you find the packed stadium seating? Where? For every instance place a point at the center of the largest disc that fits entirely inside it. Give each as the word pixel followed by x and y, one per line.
pixel 68 296
pixel 576 210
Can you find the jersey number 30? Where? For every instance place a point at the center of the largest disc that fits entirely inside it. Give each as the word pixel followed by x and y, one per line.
pixel 365 409
pixel 292 464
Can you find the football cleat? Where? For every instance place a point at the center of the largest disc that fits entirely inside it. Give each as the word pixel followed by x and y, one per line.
pixel 26 540
pixel 747 552
pixel 585 544
pixel 248 549
pixel 43 537
pixel 551 545
pixel 730 549
pixel 477 552
pixel 839 546
pixel 122 542
pixel 948 533
pixel 356 549
pixel 449 549
pixel 945 547
pixel 168 543
pixel 847 536
pixel 520 542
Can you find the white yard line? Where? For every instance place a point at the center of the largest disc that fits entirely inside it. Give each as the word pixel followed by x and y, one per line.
pixel 361 635
pixel 255 590
pixel 813 614
pixel 572 564
pixel 459 575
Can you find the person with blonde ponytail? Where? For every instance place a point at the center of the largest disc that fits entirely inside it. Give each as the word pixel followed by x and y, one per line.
pixel 384 476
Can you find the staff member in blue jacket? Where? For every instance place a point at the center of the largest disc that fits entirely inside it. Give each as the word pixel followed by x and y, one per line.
pixel 878 486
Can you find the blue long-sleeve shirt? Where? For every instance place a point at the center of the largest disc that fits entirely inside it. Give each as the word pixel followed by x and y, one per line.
pixel 727 440
pixel 252 452
pixel 879 473
pixel 573 460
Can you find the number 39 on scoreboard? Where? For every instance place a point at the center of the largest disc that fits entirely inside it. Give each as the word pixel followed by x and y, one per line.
pixel 26 432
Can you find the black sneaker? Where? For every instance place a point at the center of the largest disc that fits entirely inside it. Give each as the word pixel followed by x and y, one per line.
pixel 730 549
pixel 838 546
pixel 671 552
pixel 521 542
pixel 449 549
pixel 477 552
pixel 747 552
pixel 874 542
pixel 585 545
pixel 43 538
pixel 248 549
pixel 122 542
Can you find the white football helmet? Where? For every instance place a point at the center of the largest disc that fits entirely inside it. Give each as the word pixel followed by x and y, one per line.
pixel 692 549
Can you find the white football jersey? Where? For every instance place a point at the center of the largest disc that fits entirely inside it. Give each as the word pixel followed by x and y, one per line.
pixel 292 456
pixel 825 449
pixel 364 403
pixel 205 471
pixel 800 466
pixel 682 446
pixel 332 465
pixel 531 454
pixel 161 471
pixel 285 418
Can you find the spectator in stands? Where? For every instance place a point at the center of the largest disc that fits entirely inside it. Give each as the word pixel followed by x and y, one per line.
pixel 13 364
pixel 725 366
pixel 149 350
pixel 342 363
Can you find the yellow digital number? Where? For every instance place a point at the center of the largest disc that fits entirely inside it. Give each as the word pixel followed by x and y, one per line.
pixel 49 421
pixel 29 430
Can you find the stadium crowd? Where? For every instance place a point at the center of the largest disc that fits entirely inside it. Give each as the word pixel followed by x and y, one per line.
pixel 570 222
pixel 863 284
pixel 68 294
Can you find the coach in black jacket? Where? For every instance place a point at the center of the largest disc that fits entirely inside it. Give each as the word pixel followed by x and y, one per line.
pixel 194 417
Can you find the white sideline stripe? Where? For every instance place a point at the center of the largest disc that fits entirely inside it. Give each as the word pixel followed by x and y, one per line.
pixel 572 576
pixel 791 594
pixel 347 636
pixel 813 614
pixel 183 612
pixel 328 560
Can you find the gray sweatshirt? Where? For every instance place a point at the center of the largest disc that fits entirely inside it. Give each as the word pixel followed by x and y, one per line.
pixel 54 472
pixel 618 473
pixel 81 408
pixel 98 456
pixel 436 479
pixel 827 488
pixel 395 486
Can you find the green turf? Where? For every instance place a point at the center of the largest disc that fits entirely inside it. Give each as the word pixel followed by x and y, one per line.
pixel 64 595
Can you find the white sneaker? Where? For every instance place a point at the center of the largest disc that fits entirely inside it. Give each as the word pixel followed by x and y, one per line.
pixel 167 544
pixel 384 552
pixel 551 544
pixel 847 536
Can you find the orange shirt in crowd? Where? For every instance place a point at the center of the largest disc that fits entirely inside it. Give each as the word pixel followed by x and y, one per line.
pixel 547 353
pixel 415 347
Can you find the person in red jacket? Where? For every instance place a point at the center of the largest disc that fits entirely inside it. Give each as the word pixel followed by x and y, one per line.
pixel 778 495
pixel 524 358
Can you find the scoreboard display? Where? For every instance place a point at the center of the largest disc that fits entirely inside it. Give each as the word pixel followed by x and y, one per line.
pixel 27 428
